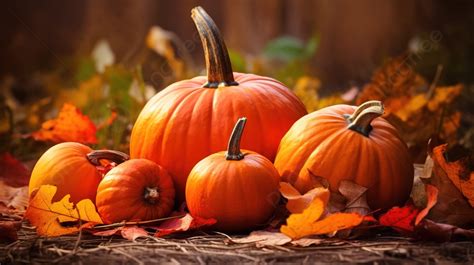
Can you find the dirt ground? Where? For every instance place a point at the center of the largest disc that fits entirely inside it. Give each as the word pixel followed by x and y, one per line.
pixel 203 248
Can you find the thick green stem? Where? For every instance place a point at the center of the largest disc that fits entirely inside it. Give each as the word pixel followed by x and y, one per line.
pixel 363 116
pixel 218 65
pixel 96 156
pixel 233 148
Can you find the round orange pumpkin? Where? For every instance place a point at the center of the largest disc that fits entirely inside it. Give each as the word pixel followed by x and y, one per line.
pixel 192 119
pixel 72 168
pixel 136 190
pixel 344 142
pixel 238 189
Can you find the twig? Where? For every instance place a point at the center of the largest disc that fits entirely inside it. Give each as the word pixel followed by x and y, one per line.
pixel 432 88
pixel 138 222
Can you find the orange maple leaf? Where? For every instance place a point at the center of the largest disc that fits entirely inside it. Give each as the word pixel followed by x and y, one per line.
pixel 49 217
pixel 458 171
pixel 307 223
pixel 70 126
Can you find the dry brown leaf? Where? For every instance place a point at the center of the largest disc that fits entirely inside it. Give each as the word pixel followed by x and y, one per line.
pixel 14 197
pixel 297 202
pixel 70 126
pixel 306 223
pixel 307 241
pixel 49 217
pixel 133 232
pixel 356 197
pixel 264 238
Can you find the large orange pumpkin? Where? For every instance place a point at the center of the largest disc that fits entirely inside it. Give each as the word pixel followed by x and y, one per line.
pixel 192 119
pixel 344 142
pixel 237 188
pixel 136 190
pixel 72 168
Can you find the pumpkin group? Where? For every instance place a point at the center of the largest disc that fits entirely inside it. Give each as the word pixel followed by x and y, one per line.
pixel 237 188
pixel 192 119
pixel 72 168
pixel 136 190
pixel 343 142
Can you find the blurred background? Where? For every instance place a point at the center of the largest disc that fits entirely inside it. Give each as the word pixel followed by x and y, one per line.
pixel 108 57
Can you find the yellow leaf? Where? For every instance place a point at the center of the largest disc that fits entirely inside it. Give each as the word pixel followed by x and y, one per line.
pixel 297 202
pixel 48 217
pixel 306 223
pixel 306 88
pixel 443 96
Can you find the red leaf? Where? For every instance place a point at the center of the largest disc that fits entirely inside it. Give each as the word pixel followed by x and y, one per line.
pixel 8 230
pixel 109 232
pixel 401 219
pixel 432 197
pixel 182 224
pixel 12 171
pixel 133 232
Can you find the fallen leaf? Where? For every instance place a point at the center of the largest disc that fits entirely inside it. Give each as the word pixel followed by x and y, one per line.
pixel 453 207
pixel 297 202
pixel 14 197
pixel 306 223
pixel 429 230
pixel 13 172
pixel 133 232
pixel 185 223
pixel 70 126
pixel 264 238
pixel 356 197
pixel 400 218
pixel 58 218
pixel 458 171
pixel 432 199
pixel 8 231
pixel 108 232
pixel 307 241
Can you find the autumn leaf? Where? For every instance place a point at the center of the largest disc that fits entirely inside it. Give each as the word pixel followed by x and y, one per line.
pixel 264 238
pixel 432 199
pixel 70 126
pixel 297 202
pixel 400 218
pixel 14 197
pixel 133 232
pixel 429 230
pixel 356 197
pixel 12 171
pixel 458 171
pixel 306 223
pixel 49 218
pixel 185 223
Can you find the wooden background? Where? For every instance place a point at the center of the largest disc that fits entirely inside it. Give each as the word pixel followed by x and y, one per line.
pixel 355 35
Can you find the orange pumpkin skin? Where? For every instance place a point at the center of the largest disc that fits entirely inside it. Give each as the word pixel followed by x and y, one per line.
pixel 66 166
pixel 185 122
pixel 321 144
pixel 136 190
pixel 240 195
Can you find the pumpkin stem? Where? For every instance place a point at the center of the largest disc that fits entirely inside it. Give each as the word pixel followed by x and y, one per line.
pixel 360 120
pixel 233 148
pixel 218 65
pixel 96 156
pixel 151 195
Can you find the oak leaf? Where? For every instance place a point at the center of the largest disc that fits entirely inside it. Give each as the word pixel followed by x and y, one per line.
pixel 307 223
pixel 13 196
pixel 185 223
pixel 70 126
pixel 298 202
pixel 58 218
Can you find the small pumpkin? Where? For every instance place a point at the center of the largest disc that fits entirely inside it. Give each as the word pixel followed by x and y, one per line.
pixel 136 190
pixel 343 142
pixel 72 168
pixel 192 119
pixel 237 188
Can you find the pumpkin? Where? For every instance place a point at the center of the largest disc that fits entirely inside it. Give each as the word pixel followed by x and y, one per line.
pixel 343 142
pixel 72 168
pixel 237 188
pixel 136 190
pixel 192 119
